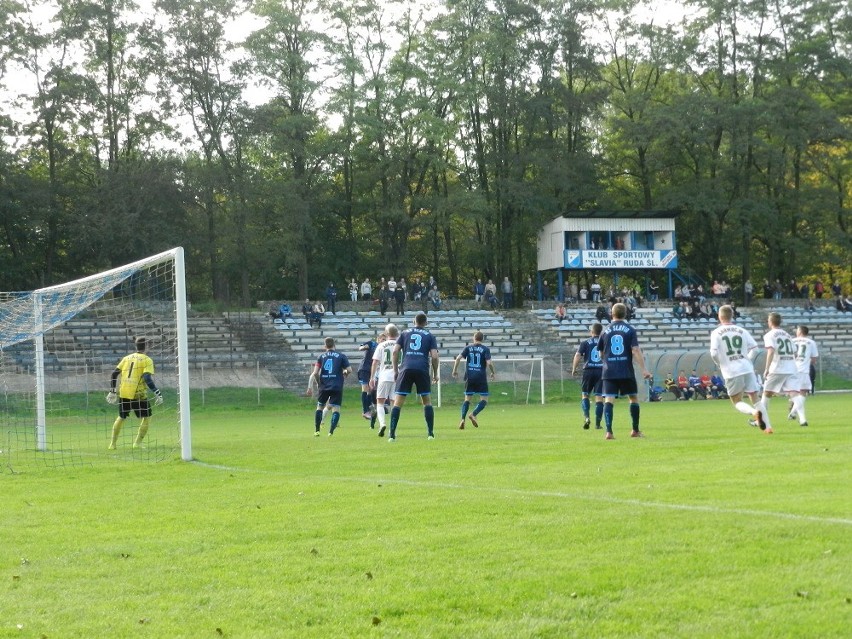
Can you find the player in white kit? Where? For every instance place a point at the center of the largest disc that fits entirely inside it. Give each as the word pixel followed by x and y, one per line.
pixel 381 375
pixel 733 348
pixel 806 356
pixel 780 368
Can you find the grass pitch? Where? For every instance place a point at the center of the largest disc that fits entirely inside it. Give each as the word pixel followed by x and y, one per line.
pixel 526 527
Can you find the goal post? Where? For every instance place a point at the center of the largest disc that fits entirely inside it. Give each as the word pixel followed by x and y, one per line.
pixel 517 380
pixel 58 347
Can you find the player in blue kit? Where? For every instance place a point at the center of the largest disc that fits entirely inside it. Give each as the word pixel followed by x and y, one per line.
pixel 367 394
pixel 328 374
pixel 619 346
pixel 478 364
pixel 588 353
pixel 414 357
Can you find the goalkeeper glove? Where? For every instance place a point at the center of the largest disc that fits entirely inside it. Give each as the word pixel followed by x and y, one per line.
pixel 112 398
pixel 159 397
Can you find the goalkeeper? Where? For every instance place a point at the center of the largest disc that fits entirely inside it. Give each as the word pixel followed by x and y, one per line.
pixel 133 373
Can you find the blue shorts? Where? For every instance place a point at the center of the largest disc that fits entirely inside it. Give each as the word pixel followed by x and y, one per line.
pixel 616 387
pixel 334 397
pixel 412 377
pixel 364 376
pixel 476 387
pixel 591 384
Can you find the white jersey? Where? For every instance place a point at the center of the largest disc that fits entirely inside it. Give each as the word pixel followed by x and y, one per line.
pixel 784 360
pixel 806 350
pixel 384 356
pixel 729 347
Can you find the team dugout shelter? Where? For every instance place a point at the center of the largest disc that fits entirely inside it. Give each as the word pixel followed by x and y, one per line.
pixel 613 241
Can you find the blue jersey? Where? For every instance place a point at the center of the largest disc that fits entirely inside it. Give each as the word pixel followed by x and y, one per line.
pixel 477 357
pixel 616 348
pixel 331 366
pixel 417 344
pixel 367 363
pixel 588 350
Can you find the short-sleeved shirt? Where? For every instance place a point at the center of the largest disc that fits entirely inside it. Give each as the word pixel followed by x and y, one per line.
pixel 806 350
pixel 616 345
pixel 588 350
pixel 131 383
pixel 729 347
pixel 417 345
pixel 784 361
pixel 384 356
pixel 331 365
pixel 367 362
pixel 476 358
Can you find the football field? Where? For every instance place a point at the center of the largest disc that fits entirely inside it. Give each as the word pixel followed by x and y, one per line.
pixel 528 526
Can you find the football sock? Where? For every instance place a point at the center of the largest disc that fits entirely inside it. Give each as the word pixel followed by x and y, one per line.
pixel 335 419
pixel 116 430
pixel 317 419
pixel 763 407
pixel 325 412
pixel 607 413
pixel 429 414
pixel 394 420
pixel 599 409
pixel 465 407
pixel 744 407
pixel 143 430
pixel 480 407
pixel 584 405
pixel 634 415
pixel 799 407
pixel 365 401
pixel 380 415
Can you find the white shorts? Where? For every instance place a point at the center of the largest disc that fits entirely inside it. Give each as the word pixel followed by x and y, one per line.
pixel 777 382
pixel 745 383
pixel 801 381
pixel 385 390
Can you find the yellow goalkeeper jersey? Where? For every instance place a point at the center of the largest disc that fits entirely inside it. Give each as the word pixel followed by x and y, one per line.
pixel 133 367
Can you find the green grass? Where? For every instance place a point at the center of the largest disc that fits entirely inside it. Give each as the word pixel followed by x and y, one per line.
pixel 526 527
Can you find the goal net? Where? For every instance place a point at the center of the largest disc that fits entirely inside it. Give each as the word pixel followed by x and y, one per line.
pixel 58 348
pixel 517 381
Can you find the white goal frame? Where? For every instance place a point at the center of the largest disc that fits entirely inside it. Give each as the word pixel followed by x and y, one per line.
pixel 39 311
pixel 500 366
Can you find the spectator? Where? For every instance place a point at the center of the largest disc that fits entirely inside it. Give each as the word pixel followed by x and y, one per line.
pixel 508 293
pixel 529 289
pixel 490 293
pixel 683 385
pixel 435 297
pixel 478 291
pixel 717 387
pixel 836 290
pixel 545 291
pixel 767 290
pixel 819 289
pixel 399 298
pixel 331 297
pixel 317 312
pixel 366 289
pixel 584 294
pixel 695 384
pixel 560 312
pixel 601 313
pixel 653 291
pixel 843 305
pixel 671 385
pixel 384 299
pixel 748 292
pixel 307 309
pixel 353 290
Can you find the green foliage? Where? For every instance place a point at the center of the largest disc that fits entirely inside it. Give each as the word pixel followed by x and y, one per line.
pixel 528 526
pixel 352 139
